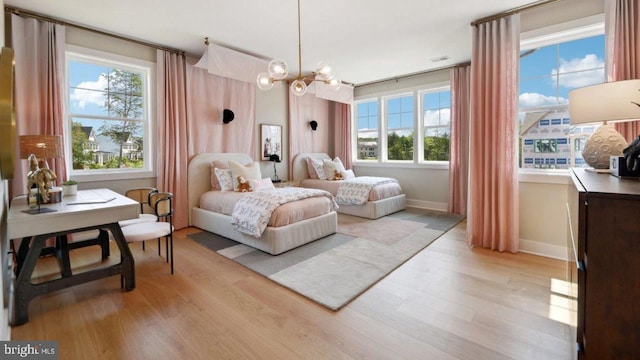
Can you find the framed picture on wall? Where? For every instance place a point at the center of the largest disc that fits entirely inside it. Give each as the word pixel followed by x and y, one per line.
pixel 270 141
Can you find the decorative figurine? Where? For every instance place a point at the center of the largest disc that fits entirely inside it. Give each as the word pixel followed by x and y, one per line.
pixel 41 177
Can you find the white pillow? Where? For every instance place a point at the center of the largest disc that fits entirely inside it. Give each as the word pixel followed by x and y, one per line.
pixel 224 179
pixel 333 166
pixel 349 174
pixel 249 172
pixel 316 169
pixel 260 185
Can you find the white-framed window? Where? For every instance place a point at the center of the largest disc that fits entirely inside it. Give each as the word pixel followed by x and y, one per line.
pixel 436 124
pixel 386 126
pixel 400 121
pixel 553 62
pixel 109 100
pixel 367 125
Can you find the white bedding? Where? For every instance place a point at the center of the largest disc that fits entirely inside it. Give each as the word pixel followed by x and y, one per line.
pixel 383 199
pixel 300 228
pixel 252 212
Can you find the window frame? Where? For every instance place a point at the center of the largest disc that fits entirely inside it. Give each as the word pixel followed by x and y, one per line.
pixel 418 128
pixel 148 69
pixel 552 35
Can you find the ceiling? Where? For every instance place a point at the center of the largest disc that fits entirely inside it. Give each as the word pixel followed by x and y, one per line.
pixel 365 40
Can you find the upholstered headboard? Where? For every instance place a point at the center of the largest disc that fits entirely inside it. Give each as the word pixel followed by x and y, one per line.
pixel 199 174
pixel 299 165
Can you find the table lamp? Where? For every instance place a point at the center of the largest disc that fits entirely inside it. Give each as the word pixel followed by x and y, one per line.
pixel 276 159
pixel 37 149
pixel 603 103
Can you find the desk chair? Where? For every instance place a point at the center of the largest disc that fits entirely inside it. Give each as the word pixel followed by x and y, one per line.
pixel 141 195
pixel 161 203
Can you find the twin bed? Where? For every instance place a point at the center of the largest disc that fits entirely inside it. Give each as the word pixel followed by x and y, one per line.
pixel 292 224
pixel 384 199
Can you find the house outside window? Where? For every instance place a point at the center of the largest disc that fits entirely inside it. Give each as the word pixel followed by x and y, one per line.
pixel 108 112
pixel 551 65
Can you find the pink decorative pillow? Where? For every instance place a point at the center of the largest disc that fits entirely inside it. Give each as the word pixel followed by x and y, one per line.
pixel 262 184
pixel 316 169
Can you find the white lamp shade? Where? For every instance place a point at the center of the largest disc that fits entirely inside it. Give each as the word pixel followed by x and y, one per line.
pixel 613 101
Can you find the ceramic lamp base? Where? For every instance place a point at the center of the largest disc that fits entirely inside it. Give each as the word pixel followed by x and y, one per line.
pixel 603 143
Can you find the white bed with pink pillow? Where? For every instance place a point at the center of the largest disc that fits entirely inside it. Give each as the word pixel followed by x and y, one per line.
pixel 212 203
pixel 377 197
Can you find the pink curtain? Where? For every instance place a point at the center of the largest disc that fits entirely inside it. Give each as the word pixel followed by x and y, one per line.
pixel 622 25
pixel 459 159
pixel 342 132
pixel 172 132
pixel 492 220
pixel 303 109
pixel 39 100
pixel 207 97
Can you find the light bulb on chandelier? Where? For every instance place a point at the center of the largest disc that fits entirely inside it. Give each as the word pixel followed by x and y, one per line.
pixel 278 71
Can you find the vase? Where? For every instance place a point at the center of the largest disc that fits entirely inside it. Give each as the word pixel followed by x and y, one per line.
pixel 69 190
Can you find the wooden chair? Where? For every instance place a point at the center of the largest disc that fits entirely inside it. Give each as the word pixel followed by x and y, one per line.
pixel 161 203
pixel 141 195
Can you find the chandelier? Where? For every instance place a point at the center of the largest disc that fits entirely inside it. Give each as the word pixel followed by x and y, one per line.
pixel 278 71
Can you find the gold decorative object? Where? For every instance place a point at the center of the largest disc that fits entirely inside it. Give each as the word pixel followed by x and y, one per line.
pixel 7 120
pixel 38 148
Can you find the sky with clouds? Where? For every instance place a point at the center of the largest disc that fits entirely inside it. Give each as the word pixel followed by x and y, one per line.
pixel 549 73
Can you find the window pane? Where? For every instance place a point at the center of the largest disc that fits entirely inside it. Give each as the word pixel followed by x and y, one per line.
pixel 400 118
pixel 106 144
pixel 101 98
pixel 547 74
pixel 367 122
pixel 436 119
pixel 436 144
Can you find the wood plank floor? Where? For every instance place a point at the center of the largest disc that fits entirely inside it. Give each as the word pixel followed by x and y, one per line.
pixel 447 302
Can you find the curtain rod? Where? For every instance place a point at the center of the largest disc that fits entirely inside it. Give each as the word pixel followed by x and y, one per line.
pixel 418 73
pixel 26 13
pixel 512 11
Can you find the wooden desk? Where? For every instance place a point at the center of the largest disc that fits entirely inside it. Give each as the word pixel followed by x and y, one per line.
pixel 68 218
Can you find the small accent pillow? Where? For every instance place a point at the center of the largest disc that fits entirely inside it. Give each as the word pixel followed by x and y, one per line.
pixel 316 169
pixel 215 184
pixel 225 181
pixel 334 169
pixel 260 185
pixel 249 172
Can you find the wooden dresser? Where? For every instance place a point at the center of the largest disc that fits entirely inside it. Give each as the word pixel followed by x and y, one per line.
pixel 604 215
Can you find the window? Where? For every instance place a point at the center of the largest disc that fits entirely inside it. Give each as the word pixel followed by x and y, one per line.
pixel 400 120
pixel 436 122
pixel 551 66
pixel 368 122
pixel 108 115
pixel 426 112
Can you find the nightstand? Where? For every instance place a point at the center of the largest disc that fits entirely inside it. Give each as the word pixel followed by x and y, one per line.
pixel 284 184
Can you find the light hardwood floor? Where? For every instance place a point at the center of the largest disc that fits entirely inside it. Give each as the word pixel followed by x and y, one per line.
pixel 447 302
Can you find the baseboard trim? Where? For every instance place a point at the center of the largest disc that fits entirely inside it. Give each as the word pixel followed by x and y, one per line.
pixel 427 205
pixel 543 249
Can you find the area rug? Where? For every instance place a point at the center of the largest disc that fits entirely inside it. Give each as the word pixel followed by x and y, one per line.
pixel 334 270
